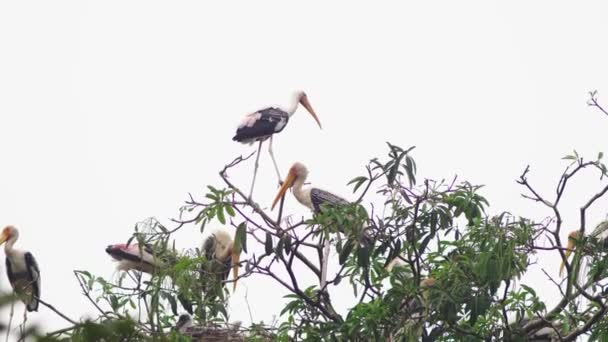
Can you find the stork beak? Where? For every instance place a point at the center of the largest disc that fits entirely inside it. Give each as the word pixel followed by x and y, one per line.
pixel 571 242
pixel 291 177
pixel 236 258
pixel 304 101
pixel 3 238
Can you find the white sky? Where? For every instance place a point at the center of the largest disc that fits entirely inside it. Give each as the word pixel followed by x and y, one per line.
pixel 112 111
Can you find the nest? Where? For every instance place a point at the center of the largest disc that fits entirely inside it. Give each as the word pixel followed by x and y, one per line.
pixel 214 334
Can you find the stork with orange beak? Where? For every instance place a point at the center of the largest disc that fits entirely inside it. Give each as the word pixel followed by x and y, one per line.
pixel 599 234
pixel 22 270
pixel 263 124
pixel 312 198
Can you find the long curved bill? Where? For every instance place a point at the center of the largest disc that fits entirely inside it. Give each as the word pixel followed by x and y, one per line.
pixel 236 258
pixel 304 101
pixel 291 177
pixel 571 242
pixel 3 238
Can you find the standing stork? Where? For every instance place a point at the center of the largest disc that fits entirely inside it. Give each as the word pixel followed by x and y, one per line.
pixel 263 124
pixel 22 270
pixel 312 198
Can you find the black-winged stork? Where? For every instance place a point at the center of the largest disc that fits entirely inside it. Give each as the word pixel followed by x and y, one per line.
pixel 263 124
pixel 22 270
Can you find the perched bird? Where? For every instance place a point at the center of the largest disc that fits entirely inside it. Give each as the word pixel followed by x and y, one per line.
pixel 219 249
pixel 263 124
pixel 598 235
pixel 314 199
pixel 184 322
pixel 22 270
pixel 310 197
pixel 416 310
pixel 132 257
pixel 542 334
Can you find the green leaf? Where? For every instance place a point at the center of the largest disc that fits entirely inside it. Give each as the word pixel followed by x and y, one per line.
pixel 358 182
pixel 230 210
pixel 287 238
pixel 240 238
pixel 348 248
pixel 529 289
pixel 172 303
pixel 363 256
pixel 268 244
pixel 220 214
pixel 279 249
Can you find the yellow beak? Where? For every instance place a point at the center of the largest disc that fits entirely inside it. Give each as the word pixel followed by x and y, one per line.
pixel 3 238
pixel 291 177
pixel 569 248
pixel 306 104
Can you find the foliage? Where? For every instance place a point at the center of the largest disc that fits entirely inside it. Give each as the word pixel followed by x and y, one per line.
pixel 424 259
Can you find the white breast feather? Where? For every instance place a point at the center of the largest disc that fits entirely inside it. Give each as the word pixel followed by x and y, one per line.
pixel 250 119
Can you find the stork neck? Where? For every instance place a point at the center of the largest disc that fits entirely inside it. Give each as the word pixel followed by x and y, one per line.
pixel 8 248
pixel 291 110
pixel 299 192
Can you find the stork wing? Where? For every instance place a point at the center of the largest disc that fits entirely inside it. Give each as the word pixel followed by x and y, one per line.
pixel 34 279
pixel 261 124
pixel 319 197
pixel 600 231
pixel 209 247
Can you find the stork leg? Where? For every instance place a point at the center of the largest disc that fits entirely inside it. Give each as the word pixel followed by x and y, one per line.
pixel 324 264
pixel 276 168
pixel 255 170
pixel 10 321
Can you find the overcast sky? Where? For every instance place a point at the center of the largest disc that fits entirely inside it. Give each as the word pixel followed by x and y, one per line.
pixel 113 111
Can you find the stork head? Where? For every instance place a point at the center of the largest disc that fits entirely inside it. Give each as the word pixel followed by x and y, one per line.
pixel 302 99
pixel 572 238
pixel 297 170
pixel 7 233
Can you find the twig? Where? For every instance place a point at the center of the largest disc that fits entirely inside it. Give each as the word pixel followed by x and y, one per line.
pixel 57 311
pixel 592 102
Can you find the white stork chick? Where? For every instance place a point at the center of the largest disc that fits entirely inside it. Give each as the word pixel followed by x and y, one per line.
pixel 132 257
pixel 22 270
pixel 219 247
pixel 263 124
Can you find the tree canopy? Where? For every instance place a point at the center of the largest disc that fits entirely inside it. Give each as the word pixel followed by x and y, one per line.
pixel 422 258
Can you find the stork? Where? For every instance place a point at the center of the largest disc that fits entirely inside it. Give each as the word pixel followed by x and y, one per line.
pixel 599 234
pixel 312 198
pixel 132 257
pixel 22 270
pixel 263 124
pixel 218 248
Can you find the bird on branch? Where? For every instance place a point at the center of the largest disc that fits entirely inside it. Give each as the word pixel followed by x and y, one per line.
pixel 261 125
